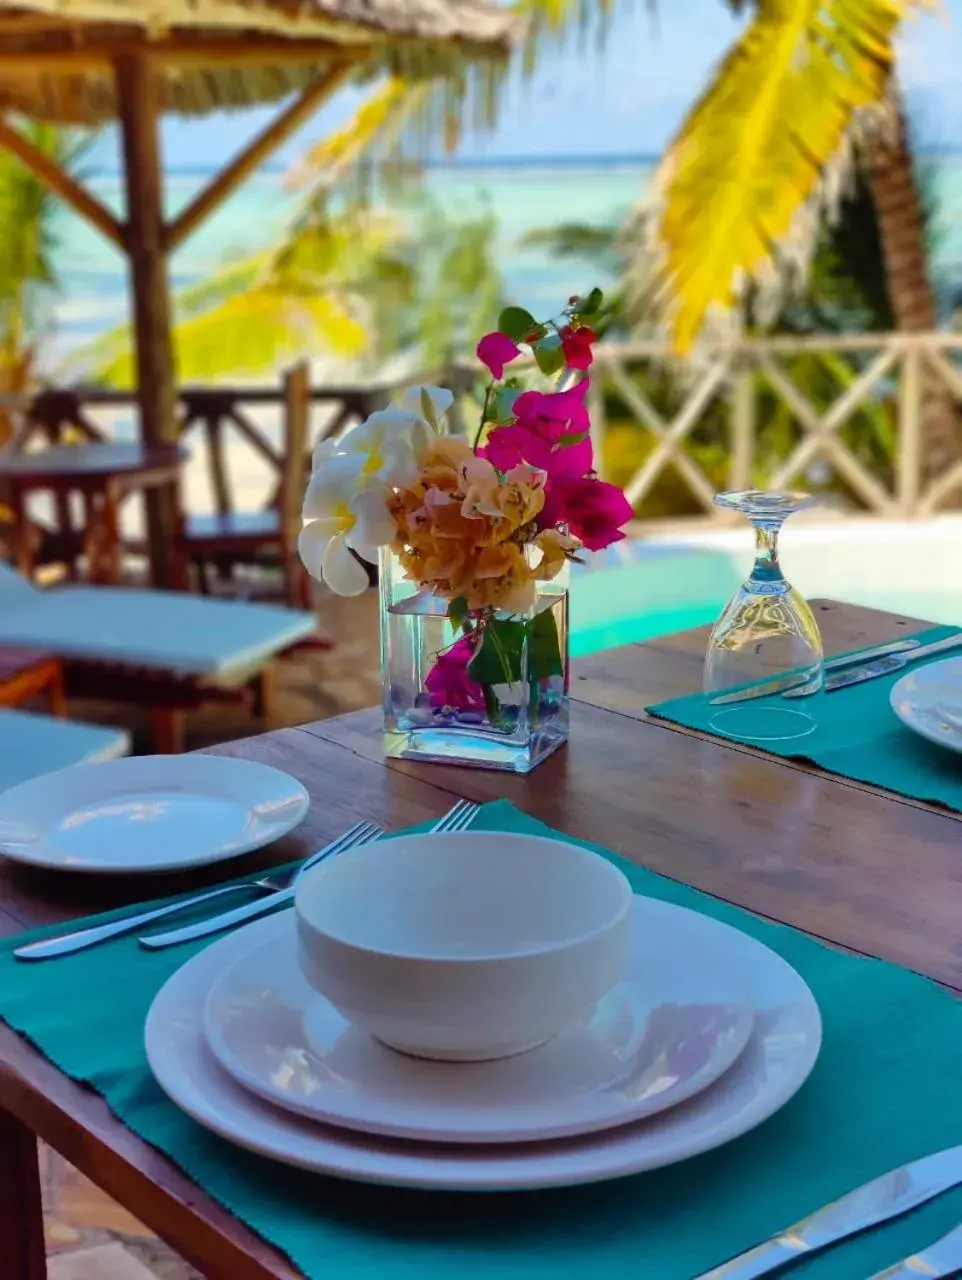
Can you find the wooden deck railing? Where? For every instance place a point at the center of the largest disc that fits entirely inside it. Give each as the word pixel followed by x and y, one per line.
pixel 852 405
pixel 827 411
pixel 211 413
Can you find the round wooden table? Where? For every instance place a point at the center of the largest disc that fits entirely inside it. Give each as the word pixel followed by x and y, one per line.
pixel 103 474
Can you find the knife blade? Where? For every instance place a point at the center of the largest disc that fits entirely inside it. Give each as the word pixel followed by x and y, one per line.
pixel 781 684
pixel 880 666
pixel 877 1201
pixel 943 1258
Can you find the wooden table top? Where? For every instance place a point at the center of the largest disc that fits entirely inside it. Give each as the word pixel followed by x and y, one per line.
pixel 88 463
pixel 864 869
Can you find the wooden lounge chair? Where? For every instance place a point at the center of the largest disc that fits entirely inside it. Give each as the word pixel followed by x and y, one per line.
pixel 167 651
pixel 229 538
pixel 32 744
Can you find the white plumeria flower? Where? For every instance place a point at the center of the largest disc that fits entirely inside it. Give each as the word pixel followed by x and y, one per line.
pixel 342 514
pixel 392 444
pixel 440 400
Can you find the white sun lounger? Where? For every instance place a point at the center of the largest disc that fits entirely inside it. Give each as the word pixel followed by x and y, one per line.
pixel 220 641
pixel 33 744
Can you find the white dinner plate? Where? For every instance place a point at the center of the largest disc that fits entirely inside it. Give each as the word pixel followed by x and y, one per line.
pixel 679 1019
pixel 148 813
pixel 780 1053
pixel 928 700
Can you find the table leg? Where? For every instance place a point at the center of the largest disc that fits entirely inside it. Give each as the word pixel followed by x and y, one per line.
pixel 102 537
pixel 21 1207
pixel 167 729
pixel 57 694
pixel 23 554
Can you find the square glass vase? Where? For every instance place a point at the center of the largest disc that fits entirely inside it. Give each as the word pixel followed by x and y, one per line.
pixel 508 710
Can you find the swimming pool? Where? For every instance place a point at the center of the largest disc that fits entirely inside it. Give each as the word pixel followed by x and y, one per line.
pixel 666 582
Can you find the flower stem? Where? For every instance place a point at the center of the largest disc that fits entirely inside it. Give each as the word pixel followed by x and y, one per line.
pixel 484 416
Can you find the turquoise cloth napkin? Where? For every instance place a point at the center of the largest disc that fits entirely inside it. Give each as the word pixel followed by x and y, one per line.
pixel 857 735
pixel 885 1090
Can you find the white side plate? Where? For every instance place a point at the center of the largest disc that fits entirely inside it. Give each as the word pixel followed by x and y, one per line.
pixel 681 1017
pixel 780 1053
pixel 148 813
pixel 928 700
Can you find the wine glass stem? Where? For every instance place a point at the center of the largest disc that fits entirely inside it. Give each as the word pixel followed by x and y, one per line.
pixel 766 567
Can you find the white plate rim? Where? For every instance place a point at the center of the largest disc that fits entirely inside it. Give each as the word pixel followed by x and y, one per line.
pixel 262 833
pixel 356 1157
pixel 898 701
pixel 549 1131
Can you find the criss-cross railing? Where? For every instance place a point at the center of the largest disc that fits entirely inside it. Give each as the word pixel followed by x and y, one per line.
pixel 842 412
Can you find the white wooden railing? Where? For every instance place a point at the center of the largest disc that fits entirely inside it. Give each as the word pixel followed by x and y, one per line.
pixel 884 372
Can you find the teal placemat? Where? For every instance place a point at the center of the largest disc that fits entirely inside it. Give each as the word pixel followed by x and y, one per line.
pixel 857 736
pixel 884 1091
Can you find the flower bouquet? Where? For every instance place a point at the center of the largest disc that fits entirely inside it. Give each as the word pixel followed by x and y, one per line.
pixel 474 537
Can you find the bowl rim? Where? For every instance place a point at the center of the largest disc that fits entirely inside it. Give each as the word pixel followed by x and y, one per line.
pixel 548 949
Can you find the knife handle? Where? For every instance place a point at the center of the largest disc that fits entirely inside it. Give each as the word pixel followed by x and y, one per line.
pixel 759 1261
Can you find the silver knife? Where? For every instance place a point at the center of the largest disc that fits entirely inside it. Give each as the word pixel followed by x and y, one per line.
pixel 887 1197
pixel 782 684
pixel 881 666
pixel 943 1258
pixel 250 911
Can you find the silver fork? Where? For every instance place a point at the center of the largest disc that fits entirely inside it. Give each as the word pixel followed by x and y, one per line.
pixel 80 939
pixel 458 818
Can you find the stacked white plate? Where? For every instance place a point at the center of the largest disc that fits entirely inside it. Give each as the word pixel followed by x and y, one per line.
pixel 709 1034
pixel 928 700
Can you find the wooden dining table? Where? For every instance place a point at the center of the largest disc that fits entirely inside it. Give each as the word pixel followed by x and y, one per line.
pixel 103 475
pixel 863 869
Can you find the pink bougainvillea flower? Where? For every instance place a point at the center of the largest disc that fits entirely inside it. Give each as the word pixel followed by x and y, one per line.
pixel 509 447
pixel 554 413
pixel 495 350
pixel 576 344
pixel 537 435
pixel 592 509
pixel 448 682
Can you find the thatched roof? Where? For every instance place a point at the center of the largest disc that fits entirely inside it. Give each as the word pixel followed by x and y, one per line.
pixel 56 56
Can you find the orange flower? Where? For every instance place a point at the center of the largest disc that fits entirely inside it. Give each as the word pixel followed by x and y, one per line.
pixel 554 546
pixel 462 528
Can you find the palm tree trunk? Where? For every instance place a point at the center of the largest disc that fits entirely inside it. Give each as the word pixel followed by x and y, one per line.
pixel 901 227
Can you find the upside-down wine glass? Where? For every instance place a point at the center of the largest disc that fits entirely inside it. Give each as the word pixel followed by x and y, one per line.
pixel 766 633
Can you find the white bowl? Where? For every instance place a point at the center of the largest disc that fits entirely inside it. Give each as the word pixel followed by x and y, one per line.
pixel 465 946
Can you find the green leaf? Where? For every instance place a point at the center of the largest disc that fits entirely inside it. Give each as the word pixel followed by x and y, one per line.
pixel 549 354
pixel 458 612
pixel 544 647
pixel 501 409
pixel 591 305
pixel 572 437
pixel 518 324
pixel 427 408
pixel 499 659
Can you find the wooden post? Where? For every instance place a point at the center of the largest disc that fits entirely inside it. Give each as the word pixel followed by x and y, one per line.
pixel 909 435
pixel 743 425
pixel 137 108
pixel 599 422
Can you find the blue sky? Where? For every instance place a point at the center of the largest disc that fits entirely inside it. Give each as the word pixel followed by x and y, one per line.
pixel 628 99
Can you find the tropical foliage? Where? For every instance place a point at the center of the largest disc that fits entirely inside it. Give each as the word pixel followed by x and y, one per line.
pixel 28 279
pixel 360 288
pixel 744 181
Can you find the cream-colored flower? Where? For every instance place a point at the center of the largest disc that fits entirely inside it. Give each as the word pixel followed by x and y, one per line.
pixel 429 403
pixel 343 512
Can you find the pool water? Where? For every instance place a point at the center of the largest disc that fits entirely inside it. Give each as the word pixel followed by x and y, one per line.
pixel 649 587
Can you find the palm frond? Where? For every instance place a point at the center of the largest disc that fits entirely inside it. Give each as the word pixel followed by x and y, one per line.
pixel 751 162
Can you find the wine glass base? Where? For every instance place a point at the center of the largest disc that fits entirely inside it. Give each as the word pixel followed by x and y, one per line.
pixel 762 724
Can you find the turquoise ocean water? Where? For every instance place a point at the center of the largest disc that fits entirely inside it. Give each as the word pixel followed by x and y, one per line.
pixel 522 194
